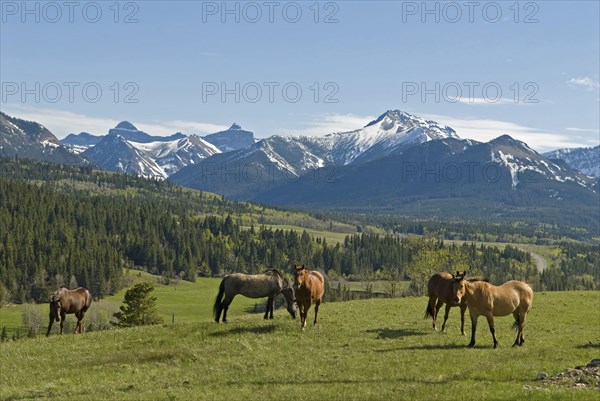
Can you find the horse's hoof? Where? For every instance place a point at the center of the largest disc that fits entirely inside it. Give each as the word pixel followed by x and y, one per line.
pixel 471 345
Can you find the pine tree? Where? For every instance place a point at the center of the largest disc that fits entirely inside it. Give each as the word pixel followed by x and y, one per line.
pixel 139 307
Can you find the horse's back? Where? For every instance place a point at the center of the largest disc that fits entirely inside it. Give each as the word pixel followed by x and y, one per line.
pixel 319 288
pixel 252 285
pixel 511 296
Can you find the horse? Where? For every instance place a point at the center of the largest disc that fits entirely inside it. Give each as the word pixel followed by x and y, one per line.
pixel 439 288
pixel 485 299
pixel 268 284
pixel 65 301
pixel 310 286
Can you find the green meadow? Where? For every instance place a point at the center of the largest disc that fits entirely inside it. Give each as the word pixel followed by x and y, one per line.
pixel 377 349
pixel 183 302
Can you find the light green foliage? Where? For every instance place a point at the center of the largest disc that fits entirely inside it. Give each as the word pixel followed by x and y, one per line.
pixel 361 350
pixel 433 258
pixel 139 308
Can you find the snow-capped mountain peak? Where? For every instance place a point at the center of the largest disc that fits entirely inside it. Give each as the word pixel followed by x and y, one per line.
pixel 126 125
pixel 586 160
pixel 391 132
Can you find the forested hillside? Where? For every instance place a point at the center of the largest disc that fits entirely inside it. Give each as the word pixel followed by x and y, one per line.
pixel 75 226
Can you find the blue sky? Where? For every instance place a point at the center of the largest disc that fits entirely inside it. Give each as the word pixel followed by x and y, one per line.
pixel 528 69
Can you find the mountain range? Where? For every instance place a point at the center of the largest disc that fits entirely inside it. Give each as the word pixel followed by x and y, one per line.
pixel 396 162
pixel 396 159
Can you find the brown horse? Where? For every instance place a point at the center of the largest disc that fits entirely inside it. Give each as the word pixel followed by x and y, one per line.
pixel 310 286
pixel 489 300
pixel 439 288
pixel 66 301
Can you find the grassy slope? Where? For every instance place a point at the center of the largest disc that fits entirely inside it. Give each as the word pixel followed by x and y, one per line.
pixel 188 301
pixel 361 350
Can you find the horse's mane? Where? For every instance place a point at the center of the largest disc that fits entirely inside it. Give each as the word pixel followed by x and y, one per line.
pixel 475 279
pixel 273 271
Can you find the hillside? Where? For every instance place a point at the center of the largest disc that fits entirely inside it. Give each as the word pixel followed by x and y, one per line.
pixel 78 226
pixel 361 350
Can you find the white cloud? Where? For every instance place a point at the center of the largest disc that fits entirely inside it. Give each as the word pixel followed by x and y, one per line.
pixel 485 130
pixel 61 123
pixel 329 123
pixel 573 129
pixel 585 82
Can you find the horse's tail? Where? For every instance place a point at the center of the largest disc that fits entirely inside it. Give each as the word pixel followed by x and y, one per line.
pixel 429 310
pixel 217 308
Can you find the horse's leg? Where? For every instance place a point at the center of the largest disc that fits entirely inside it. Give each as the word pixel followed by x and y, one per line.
pixel 463 308
pixel 272 307
pixel 270 302
pixel 473 329
pixel 62 321
pixel 447 312
pixel 517 325
pixel 79 328
pixel 50 324
pixel 490 319
pixel 523 316
pixel 431 310
pixel 436 310
pixel 317 303
pixel 225 305
pixel 306 308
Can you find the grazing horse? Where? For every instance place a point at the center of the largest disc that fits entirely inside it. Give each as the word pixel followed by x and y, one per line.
pixel 268 284
pixel 65 301
pixel 310 286
pixel 488 300
pixel 439 288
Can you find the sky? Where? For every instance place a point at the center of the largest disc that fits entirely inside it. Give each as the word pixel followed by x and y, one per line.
pixel 485 68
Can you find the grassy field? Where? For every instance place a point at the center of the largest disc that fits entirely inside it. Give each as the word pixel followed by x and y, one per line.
pixel 187 301
pixel 361 350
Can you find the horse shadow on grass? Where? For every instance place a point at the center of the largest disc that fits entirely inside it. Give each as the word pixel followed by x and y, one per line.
pixel 589 345
pixel 423 347
pixel 244 330
pixel 396 333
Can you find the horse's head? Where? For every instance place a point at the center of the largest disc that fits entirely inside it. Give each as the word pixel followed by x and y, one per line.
pixel 55 306
pixel 300 276
pixel 458 287
pixel 290 298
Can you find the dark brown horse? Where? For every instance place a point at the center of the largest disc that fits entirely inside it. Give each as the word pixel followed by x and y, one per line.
pixel 310 286
pixel 439 288
pixel 65 301
pixel 489 300
pixel 268 284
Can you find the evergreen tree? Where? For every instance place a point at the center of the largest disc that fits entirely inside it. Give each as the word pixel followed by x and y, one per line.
pixel 139 307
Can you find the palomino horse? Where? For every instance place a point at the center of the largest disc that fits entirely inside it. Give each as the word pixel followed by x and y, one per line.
pixel 66 301
pixel 439 288
pixel 486 299
pixel 268 284
pixel 310 286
